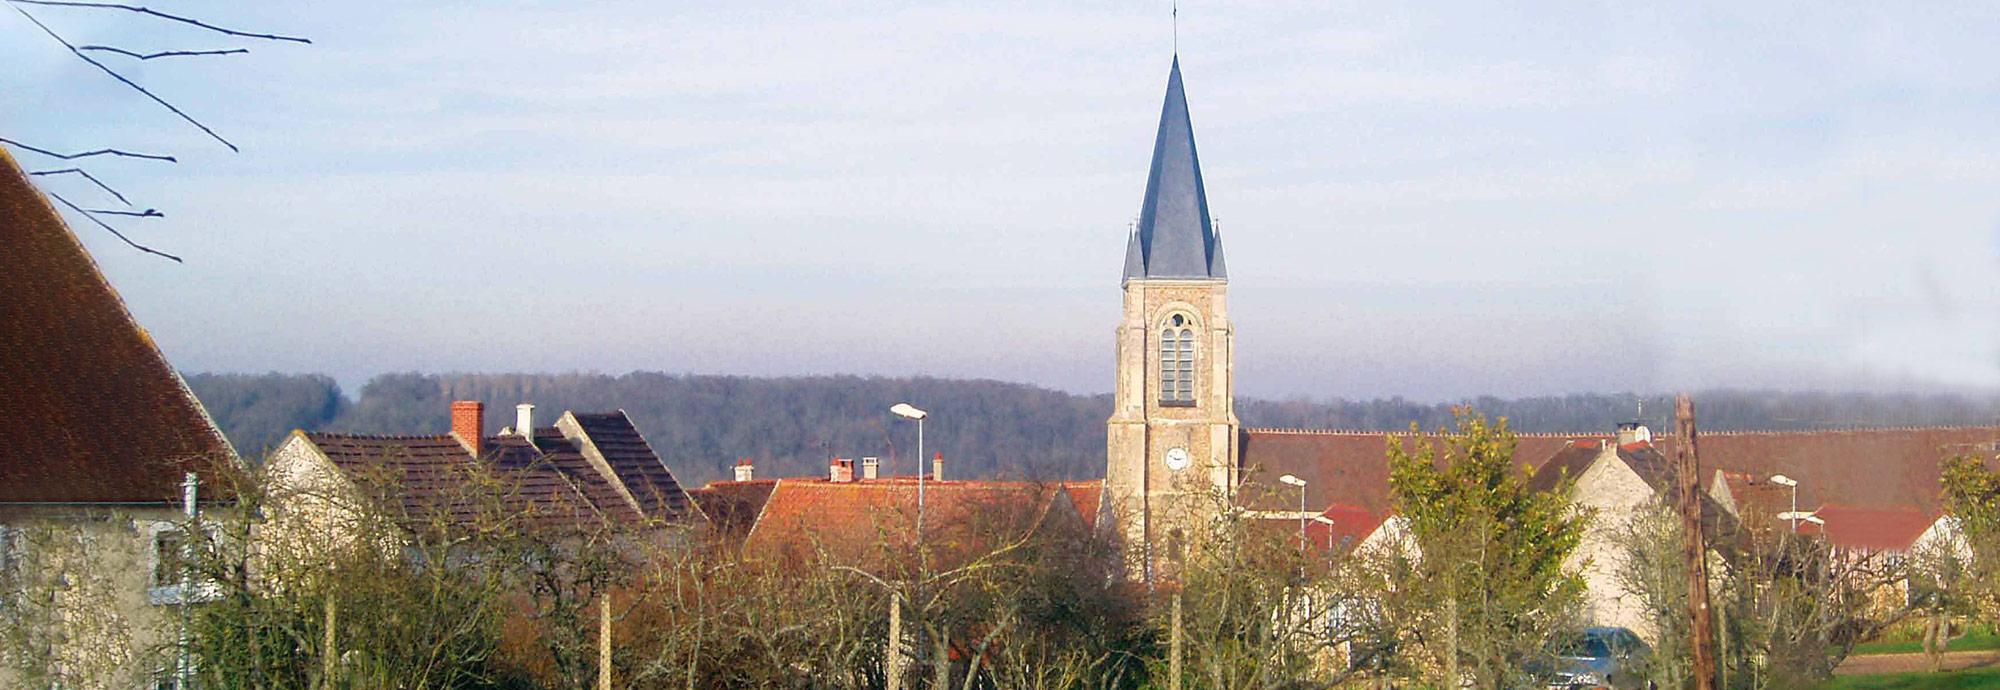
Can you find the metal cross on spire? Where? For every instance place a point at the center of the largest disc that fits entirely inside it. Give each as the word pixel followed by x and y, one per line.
pixel 1177 26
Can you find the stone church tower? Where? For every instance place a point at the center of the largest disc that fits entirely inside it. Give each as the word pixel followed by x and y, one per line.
pixel 1172 433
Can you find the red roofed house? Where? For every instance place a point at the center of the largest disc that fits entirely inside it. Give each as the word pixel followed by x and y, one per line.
pixel 871 522
pixel 113 448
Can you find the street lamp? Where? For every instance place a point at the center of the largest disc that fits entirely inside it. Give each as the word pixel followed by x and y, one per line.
pixel 1301 483
pixel 908 411
pixel 1782 480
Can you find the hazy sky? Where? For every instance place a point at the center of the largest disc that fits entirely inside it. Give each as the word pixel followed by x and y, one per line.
pixel 1433 201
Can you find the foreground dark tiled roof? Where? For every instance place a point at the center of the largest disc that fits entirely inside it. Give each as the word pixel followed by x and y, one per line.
pixel 102 416
pixel 653 485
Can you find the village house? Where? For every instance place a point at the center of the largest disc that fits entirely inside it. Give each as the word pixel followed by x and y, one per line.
pixel 112 456
pixel 587 469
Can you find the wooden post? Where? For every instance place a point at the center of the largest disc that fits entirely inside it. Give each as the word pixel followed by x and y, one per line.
pixel 892 664
pixel 1687 495
pixel 1174 647
pixel 329 652
pixel 603 642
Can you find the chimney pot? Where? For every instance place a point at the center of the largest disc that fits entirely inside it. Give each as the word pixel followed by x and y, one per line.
pixel 744 470
pixel 468 423
pixel 524 421
pixel 871 468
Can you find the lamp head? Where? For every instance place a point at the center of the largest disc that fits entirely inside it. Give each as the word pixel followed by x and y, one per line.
pixel 1292 480
pixel 1783 480
pixel 908 411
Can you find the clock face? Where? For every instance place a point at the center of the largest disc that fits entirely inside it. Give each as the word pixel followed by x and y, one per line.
pixel 1177 458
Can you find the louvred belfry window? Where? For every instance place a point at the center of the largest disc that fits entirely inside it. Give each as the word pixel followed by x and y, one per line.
pixel 1177 363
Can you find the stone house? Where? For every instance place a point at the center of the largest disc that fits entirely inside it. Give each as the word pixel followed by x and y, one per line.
pixel 114 455
pixel 585 469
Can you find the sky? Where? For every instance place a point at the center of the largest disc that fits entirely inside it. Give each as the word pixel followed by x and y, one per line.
pixel 1431 200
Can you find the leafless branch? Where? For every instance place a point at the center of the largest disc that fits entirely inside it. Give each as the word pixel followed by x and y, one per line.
pixel 87 154
pixel 86 175
pixel 148 213
pixel 112 230
pixel 162 15
pixel 164 53
pixel 114 74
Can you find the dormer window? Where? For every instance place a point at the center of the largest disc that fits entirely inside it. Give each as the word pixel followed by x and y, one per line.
pixel 1177 363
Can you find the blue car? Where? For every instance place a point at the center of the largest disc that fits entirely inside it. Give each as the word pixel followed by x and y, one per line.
pixel 1596 658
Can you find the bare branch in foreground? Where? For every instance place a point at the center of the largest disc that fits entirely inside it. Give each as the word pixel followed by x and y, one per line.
pixel 164 53
pixel 87 154
pixel 162 15
pixel 121 78
pixel 86 175
pixel 112 230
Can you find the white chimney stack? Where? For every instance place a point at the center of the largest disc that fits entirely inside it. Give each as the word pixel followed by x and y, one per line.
pixel 745 471
pixel 841 471
pixel 871 468
pixel 524 420
pixel 937 467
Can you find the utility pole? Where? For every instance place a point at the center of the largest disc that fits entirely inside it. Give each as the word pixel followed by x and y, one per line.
pixel 1686 495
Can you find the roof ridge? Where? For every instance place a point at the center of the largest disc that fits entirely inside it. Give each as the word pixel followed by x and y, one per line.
pixel 1857 429
pixel 1365 432
pixel 381 437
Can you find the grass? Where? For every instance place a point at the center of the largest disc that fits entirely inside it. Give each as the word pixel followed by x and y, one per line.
pixel 1948 680
pixel 1981 638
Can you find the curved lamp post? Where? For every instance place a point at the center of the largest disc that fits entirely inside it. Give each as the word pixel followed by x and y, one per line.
pixel 1301 484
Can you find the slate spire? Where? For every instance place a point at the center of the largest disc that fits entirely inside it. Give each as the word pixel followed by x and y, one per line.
pixel 1176 238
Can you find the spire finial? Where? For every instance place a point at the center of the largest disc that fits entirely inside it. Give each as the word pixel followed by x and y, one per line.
pixel 1177 28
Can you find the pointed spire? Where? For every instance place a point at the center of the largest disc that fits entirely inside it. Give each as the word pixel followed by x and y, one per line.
pixel 1176 238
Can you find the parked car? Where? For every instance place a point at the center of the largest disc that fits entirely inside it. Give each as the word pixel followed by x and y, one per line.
pixel 1601 657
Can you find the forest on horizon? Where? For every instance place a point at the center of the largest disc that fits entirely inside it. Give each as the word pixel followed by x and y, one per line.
pixel 701 424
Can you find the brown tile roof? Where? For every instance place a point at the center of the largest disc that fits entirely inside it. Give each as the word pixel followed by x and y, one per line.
pixel 103 417
pixel 732 508
pixel 1870 468
pixel 653 485
pixel 1351 467
pixel 1568 463
pixel 869 522
pixel 434 477
pixel 565 456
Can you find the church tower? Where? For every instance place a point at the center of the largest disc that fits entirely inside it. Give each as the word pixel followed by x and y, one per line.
pixel 1172 433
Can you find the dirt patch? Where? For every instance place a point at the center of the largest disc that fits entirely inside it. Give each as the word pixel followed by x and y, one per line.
pixel 1871 664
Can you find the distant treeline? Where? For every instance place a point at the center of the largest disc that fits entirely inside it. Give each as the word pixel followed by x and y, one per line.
pixel 700 425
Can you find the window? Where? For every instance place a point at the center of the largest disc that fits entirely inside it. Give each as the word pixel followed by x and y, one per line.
pixel 169 557
pixel 1177 363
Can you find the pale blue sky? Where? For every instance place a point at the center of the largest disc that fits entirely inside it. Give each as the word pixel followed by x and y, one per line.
pixel 1434 201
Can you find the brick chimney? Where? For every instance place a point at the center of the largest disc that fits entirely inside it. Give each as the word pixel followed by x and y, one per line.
pixel 841 471
pixel 871 468
pixel 468 424
pixel 744 470
pixel 937 467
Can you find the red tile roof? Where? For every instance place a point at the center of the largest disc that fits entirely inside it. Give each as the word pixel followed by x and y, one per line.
pixel 1351 467
pixel 103 417
pixel 1873 529
pixel 868 522
pixel 1874 468
pixel 1086 496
